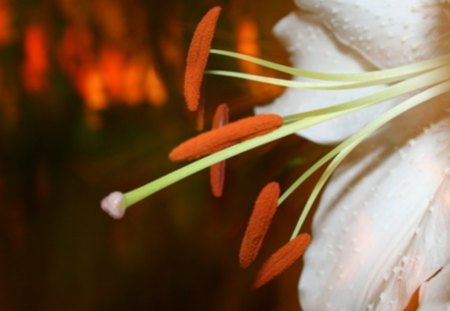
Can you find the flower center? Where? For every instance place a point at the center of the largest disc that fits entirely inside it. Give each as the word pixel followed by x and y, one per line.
pixel 418 83
pixel 422 80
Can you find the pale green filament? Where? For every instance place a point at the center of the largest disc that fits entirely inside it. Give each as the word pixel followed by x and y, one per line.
pixel 302 84
pixel 399 73
pixel 293 124
pixel 430 78
pixel 413 84
pixel 343 149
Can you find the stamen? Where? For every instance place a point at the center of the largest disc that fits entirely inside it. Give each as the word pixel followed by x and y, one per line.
pixel 282 259
pixel 235 138
pixel 197 57
pixel 230 134
pixel 299 122
pixel 263 212
pixel 377 76
pixel 302 84
pixel 217 171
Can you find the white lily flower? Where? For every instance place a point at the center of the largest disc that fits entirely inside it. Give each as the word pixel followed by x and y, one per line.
pixel 382 230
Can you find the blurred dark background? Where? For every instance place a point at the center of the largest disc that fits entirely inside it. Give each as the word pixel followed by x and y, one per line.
pixel 91 102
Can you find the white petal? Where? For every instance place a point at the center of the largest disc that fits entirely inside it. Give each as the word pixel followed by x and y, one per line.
pixel 382 227
pixel 388 32
pixel 435 294
pixel 313 47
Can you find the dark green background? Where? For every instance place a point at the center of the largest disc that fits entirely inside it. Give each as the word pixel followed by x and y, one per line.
pixel 174 251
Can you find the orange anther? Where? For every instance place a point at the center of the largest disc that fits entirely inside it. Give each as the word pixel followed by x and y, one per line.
pixel 198 57
pixel 217 171
pixel 230 134
pixel 263 212
pixel 282 259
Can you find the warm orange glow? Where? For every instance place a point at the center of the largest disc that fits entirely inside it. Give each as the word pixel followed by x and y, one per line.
pixel 92 89
pixel 134 81
pixel 77 59
pixel 155 88
pixel 247 43
pixel 35 65
pixel 112 65
pixel 116 77
pixel 6 20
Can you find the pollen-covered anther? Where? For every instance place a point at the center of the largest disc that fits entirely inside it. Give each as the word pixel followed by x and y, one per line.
pixel 282 259
pixel 228 135
pixel 263 212
pixel 197 57
pixel 114 205
pixel 217 171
